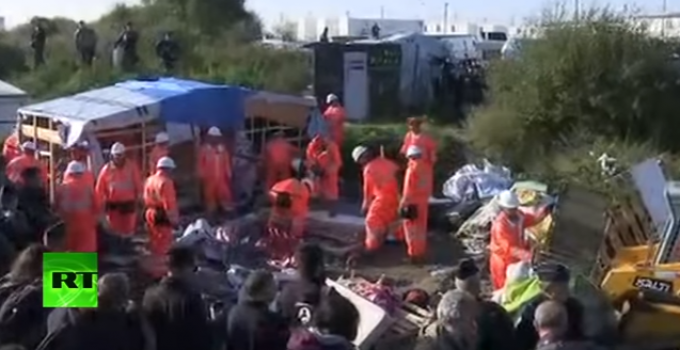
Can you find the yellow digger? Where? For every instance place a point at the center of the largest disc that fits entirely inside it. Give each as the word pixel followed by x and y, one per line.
pixel 643 281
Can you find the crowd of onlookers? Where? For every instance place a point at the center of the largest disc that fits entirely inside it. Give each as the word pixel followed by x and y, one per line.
pixel 124 53
pixel 172 314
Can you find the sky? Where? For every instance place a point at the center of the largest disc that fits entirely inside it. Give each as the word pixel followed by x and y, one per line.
pixel 499 11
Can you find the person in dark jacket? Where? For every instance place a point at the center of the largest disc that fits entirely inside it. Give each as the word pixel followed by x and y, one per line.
pixel 108 327
pixel 496 330
pixel 251 325
pixel 552 324
pixel 38 39
pixel 456 325
pixel 304 294
pixel 555 284
pixel 334 326
pixel 127 41
pixel 22 314
pixel 167 49
pixel 34 204
pixel 86 43
pixel 175 311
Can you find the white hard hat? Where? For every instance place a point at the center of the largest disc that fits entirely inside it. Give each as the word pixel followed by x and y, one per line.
pixel 75 167
pixel 28 146
pixel 331 98
pixel 508 199
pixel 358 151
pixel 296 164
pixel 166 163
pixel 162 137
pixel 214 131
pixel 117 149
pixel 413 150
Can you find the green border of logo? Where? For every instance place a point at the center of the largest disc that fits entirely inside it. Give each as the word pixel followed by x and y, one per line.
pixel 67 297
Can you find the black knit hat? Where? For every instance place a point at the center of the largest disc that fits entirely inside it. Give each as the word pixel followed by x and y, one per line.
pixel 466 269
pixel 552 272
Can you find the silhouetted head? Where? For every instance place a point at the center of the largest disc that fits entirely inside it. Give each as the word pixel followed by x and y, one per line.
pixel 28 265
pixel 550 318
pixel 181 261
pixel 309 258
pixel 114 291
pixel 337 316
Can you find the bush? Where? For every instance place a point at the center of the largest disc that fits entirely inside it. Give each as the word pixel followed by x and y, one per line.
pixel 213 49
pixel 452 153
pixel 598 81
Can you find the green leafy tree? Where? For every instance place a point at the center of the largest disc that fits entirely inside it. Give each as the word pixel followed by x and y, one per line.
pixel 600 77
pixel 216 37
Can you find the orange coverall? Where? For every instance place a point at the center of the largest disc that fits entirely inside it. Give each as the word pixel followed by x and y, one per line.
pixel 23 162
pixel 278 157
pixel 335 118
pixel 11 148
pixel 508 244
pixel 214 170
pixel 76 204
pixel 417 191
pixel 424 142
pixel 120 185
pixel 297 214
pixel 381 200
pixel 157 152
pixel 159 197
pixel 325 155
pixel 81 155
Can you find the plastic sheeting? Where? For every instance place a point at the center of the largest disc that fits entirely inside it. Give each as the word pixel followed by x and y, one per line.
pixel 472 182
pixel 133 102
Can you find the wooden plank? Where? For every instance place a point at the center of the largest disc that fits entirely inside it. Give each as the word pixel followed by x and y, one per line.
pixel 38 133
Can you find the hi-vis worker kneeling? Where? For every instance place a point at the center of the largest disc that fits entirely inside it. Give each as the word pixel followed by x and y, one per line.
pixel 415 202
pixel 76 204
pixel 118 188
pixel 509 244
pixel 381 195
pixel 290 202
pixel 161 214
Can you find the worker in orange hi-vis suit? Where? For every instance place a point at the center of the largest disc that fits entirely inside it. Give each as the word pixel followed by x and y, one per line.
pixel 80 152
pixel 119 188
pixel 416 136
pixel 415 202
pixel 290 201
pixel 335 117
pixel 278 155
pixel 26 160
pixel 214 171
pixel 11 148
pixel 509 244
pixel 160 149
pixel 76 204
pixel 162 214
pixel 324 160
pixel 381 195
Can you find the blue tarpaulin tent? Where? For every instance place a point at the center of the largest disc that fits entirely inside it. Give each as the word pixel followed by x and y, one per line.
pixel 194 102
pixel 135 101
